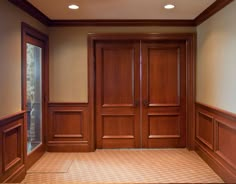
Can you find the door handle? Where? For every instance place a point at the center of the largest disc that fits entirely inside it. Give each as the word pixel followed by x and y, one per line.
pixel 146 103
pixel 136 103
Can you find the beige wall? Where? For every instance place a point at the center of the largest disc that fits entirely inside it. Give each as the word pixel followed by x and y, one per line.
pixel 68 58
pixel 216 63
pixel 10 55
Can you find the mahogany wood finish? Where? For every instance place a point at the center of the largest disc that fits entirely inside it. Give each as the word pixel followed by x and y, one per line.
pixel 34 12
pixel 117 94
pixel 215 140
pixel 68 127
pixel 119 22
pixel 163 94
pixel 33 36
pixel 99 41
pixel 211 10
pixel 31 10
pixel 12 161
pixel 205 129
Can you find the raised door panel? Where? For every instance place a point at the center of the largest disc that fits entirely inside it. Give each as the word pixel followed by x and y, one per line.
pixel 164 94
pixel 163 76
pixel 164 126
pixel 118 126
pixel 117 94
pixel 117 76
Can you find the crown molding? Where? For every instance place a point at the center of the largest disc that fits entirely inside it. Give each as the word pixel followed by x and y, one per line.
pixel 211 10
pixel 118 22
pixel 31 10
pixel 34 12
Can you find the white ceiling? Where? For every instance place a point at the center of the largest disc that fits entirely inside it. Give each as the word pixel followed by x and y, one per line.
pixel 121 9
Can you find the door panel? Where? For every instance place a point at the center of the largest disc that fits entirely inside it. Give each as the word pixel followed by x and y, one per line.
pixel 163 94
pixel 117 94
pixel 118 75
pixel 163 76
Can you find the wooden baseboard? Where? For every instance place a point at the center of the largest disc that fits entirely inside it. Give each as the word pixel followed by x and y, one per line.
pixel 218 166
pixel 17 176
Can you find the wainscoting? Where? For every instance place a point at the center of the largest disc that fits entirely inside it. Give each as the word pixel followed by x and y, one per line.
pixel 215 140
pixel 12 159
pixel 68 127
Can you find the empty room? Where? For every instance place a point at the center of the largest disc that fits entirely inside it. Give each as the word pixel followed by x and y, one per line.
pixel 117 91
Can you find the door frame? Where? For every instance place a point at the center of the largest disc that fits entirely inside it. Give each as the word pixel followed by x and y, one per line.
pixel 26 32
pixel 190 43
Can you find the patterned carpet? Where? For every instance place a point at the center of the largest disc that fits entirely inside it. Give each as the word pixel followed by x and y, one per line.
pixel 53 163
pixel 123 166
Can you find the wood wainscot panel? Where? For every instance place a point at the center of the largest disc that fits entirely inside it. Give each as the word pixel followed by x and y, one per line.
pixel 12 148
pixel 225 141
pixel 68 127
pixel 205 129
pixel 215 140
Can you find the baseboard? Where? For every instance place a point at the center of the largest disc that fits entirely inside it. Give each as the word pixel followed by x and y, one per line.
pixel 17 176
pixel 220 167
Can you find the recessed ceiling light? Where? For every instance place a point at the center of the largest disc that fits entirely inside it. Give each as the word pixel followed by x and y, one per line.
pixel 169 6
pixel 73 6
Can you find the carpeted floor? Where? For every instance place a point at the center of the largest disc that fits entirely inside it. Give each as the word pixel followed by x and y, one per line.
pixel 122 166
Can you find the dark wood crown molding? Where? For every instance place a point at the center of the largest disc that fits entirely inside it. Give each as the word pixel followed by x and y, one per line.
pixel 211 10
pixel 31 10
pixel 34 12
pixel 126 22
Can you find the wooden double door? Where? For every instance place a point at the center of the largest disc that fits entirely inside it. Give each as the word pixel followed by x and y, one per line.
pixel 140 94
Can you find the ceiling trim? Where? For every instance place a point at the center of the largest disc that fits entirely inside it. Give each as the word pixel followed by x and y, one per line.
pixel 31 10
pixel 34 12
pixel 211 10
pixel 118 22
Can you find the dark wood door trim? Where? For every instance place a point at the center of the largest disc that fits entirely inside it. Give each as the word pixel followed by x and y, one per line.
pixel 190 43
pixel 30 33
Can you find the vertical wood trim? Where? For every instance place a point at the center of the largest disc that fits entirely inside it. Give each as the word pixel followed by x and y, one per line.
pixel 91 94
